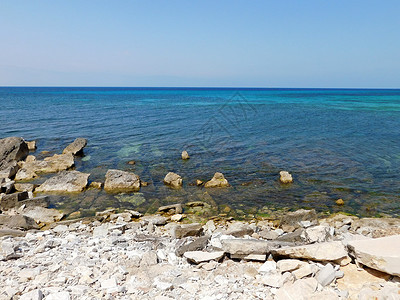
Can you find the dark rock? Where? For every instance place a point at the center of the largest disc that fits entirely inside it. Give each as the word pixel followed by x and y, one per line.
pixel 42 201
pixel 18 221
pixel 76 147
pixel 184 230
pixel 12 150
pixel 196 245
pixel 11 200
pixel 294 218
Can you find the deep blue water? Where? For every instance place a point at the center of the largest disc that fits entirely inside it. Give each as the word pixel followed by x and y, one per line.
pixel 336 143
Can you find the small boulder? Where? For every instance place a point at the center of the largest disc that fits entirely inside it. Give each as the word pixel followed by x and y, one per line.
pixel 12 149
pixel 121 181
pixel 66 181
pixel 185 155
pixel 76 147
pixel 11 200
pixel 18 222
pixel 285 177
pixel 173 180
pixel 218 180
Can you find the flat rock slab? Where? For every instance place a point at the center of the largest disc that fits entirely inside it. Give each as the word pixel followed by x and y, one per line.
pixel 330 251
pixel 76 147
pixel 202 256
pixel 382 254
pixel 18 221
pixel 66 181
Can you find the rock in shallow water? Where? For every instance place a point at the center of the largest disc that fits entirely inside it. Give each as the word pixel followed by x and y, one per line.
pixel 66 181
pixel 173 180
pixel 121 181
pixel 76 147
pixel 285 177
pixel 218 180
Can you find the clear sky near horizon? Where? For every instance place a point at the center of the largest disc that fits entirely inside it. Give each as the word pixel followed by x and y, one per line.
pixel 344 43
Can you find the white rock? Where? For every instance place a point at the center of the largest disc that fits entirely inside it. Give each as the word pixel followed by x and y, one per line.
pixel 202 256
pixel 32 295
pixel 288 265
pixel 58 296
pixel 381 254
pixel 268 267
pixel 326 275
pixel 317 234
pixel 60 228
pixel 109 283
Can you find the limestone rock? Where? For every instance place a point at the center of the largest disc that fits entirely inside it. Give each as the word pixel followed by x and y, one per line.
pixel 173 180
pixel 24 187
pixel 246 248
pixel 121 181
pixel 239 229
pixel 288 265
pixel 18 222
pixel 155 220
pixel 32 295
pixel 76 147
pixel 196 245
pixel 172 208
pixel 299 290
pixel 31 145
pixel 328 251
pixel 318 234
pixel 43 215
pixel 294 218
pixel 66 181
pixel 185 155
pixel 285 177
pixel 202 256
pixel 51 164
pixel 382 254
pixel 184 230
pixel 326 275
pixel 218 180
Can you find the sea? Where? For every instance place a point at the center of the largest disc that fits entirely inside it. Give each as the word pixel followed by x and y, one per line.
pixel 336 143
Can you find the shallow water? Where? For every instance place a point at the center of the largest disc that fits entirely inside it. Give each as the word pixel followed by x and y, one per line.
pixel 336 143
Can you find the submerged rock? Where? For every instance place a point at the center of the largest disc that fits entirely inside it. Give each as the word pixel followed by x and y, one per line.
pixel 218 180
pixel 76 147
pixel 285 177
pixel 121 181
pixel 66 181
pixel 171 209
pixel 382 254
pixel 173 180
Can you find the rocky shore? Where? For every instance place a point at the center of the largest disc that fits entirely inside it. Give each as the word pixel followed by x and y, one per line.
pixel 174 254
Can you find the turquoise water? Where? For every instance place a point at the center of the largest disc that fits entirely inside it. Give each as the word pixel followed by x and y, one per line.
pixel 336 143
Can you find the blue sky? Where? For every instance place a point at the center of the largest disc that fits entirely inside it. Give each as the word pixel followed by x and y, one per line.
pixel 200 43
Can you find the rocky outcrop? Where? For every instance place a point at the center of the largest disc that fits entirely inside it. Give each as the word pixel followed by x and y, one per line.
pixel 285 177
pixel 218 180
pixel 381 254
pixel 66 181
pixel 51 164
pixel 121 181
pixel 173 180
pixel 12 150
pixel 43 215
pixel 76 147
pixel 185 155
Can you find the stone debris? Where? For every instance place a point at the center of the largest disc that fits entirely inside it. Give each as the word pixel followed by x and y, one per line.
pixel 148 259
